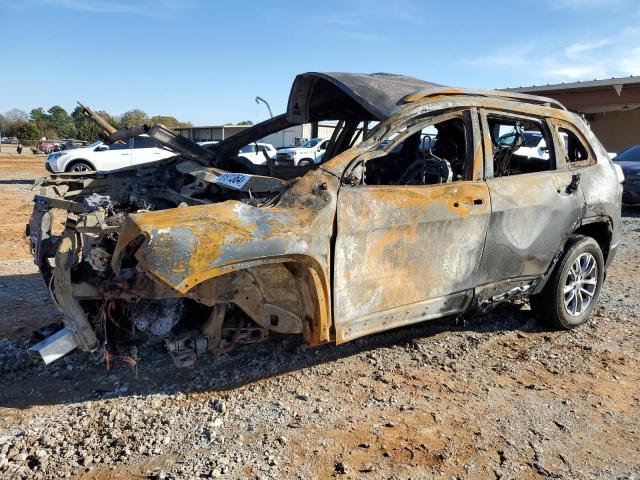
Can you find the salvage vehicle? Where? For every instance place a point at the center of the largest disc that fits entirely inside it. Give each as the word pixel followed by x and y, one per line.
pixel 206 250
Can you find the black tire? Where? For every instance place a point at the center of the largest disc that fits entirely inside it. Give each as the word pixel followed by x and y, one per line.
pixel 565 309
pixel 305 162
pixel 80 167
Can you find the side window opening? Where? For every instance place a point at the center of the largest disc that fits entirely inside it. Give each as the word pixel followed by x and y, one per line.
pixel 435 154
pixel 144 142
pixel 250 148
pixel 519 146
pixel 575 152
pixel 119 146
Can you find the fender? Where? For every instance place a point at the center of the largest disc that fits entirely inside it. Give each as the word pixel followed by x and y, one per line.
pixel 186 246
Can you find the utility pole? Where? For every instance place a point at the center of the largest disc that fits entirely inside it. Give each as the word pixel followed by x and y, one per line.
pixel 260 99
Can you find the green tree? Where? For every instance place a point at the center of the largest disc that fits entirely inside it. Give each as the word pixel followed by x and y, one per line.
pixel 28 131
pixel 60 123
pixel 245 122
pixel 166 120
pixel 133 117
pixel 85 127
pixel 39 117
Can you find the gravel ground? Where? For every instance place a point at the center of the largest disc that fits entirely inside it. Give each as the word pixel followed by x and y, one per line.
pixel 494 396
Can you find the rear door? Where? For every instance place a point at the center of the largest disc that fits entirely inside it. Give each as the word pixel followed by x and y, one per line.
pixel 535 201
pixel 145 149
pixel 409 252
pixel 112 157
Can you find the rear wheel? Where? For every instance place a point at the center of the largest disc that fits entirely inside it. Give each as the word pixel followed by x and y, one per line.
pixel 571 293
pixel 80 167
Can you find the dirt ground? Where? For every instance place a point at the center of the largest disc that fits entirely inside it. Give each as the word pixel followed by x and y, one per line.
pixel 495 396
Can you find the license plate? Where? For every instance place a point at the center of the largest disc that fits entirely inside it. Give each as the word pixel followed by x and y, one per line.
pixel 233 180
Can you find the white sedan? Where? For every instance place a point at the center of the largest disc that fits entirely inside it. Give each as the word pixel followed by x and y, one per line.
pixel 102 157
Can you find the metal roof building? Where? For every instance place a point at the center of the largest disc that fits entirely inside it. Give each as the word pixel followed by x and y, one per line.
pixel 611 106
pixel 210 132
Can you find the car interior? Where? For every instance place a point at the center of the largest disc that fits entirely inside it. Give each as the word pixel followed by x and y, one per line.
pixel 436 154
pixel 508 142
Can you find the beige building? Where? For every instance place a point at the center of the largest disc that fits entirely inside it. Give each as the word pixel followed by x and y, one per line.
pixel 291 136
pixel 298 134
pixel 611 106
pixel 210 132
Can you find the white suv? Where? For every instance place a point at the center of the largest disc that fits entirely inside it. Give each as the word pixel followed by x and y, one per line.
pixel 254 152
pixel 102 157
pixel 309 153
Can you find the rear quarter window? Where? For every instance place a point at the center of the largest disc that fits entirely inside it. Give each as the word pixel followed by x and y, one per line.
pixel 574 147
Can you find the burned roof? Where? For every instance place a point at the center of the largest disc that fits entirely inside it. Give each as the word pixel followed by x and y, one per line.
pixel 315 95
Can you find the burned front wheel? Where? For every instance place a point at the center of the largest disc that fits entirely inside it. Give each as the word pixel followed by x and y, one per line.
pixel 571 293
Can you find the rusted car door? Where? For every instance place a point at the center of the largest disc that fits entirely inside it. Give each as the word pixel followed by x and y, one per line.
pixel 532 213
pixel 407 253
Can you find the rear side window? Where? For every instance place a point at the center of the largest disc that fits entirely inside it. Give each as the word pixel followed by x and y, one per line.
pixel 519 145
pixel 575 151
pixel 144 142
pixel 119 146
pixel 251 148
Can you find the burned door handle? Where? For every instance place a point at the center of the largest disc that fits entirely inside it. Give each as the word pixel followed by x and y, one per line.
pixel 476 202
pixel 575 183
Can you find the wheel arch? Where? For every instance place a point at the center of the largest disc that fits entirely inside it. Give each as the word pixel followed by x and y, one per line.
pixel 295 283
pixel 600 229
pixel 71 163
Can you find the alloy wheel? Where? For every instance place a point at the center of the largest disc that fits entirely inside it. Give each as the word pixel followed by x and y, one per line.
pixel 580 285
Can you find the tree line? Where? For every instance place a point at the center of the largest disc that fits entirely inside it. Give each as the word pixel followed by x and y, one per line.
pixel 56 123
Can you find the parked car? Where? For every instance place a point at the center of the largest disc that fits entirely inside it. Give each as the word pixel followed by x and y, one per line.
pixel 534 144
pixel 381 234
pixel 70 143
pixel 252 151
pixel 257 153
pixel 48 146
pixel 102 157
pixel 629 161
pixel 309 153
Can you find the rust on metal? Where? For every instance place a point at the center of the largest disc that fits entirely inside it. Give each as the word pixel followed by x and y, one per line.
pixel 368 240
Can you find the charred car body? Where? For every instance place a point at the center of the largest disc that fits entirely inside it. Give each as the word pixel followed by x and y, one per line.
pixel 206 250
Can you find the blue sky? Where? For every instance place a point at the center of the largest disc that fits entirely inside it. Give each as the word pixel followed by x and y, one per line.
pixel 205 61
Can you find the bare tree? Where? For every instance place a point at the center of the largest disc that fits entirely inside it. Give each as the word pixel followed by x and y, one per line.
pixel 16 116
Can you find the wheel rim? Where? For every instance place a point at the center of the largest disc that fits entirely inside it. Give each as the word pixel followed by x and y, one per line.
pixel 580 285
pixel 80 168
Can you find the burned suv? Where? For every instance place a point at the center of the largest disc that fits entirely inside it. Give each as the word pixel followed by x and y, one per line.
pixel 205 250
